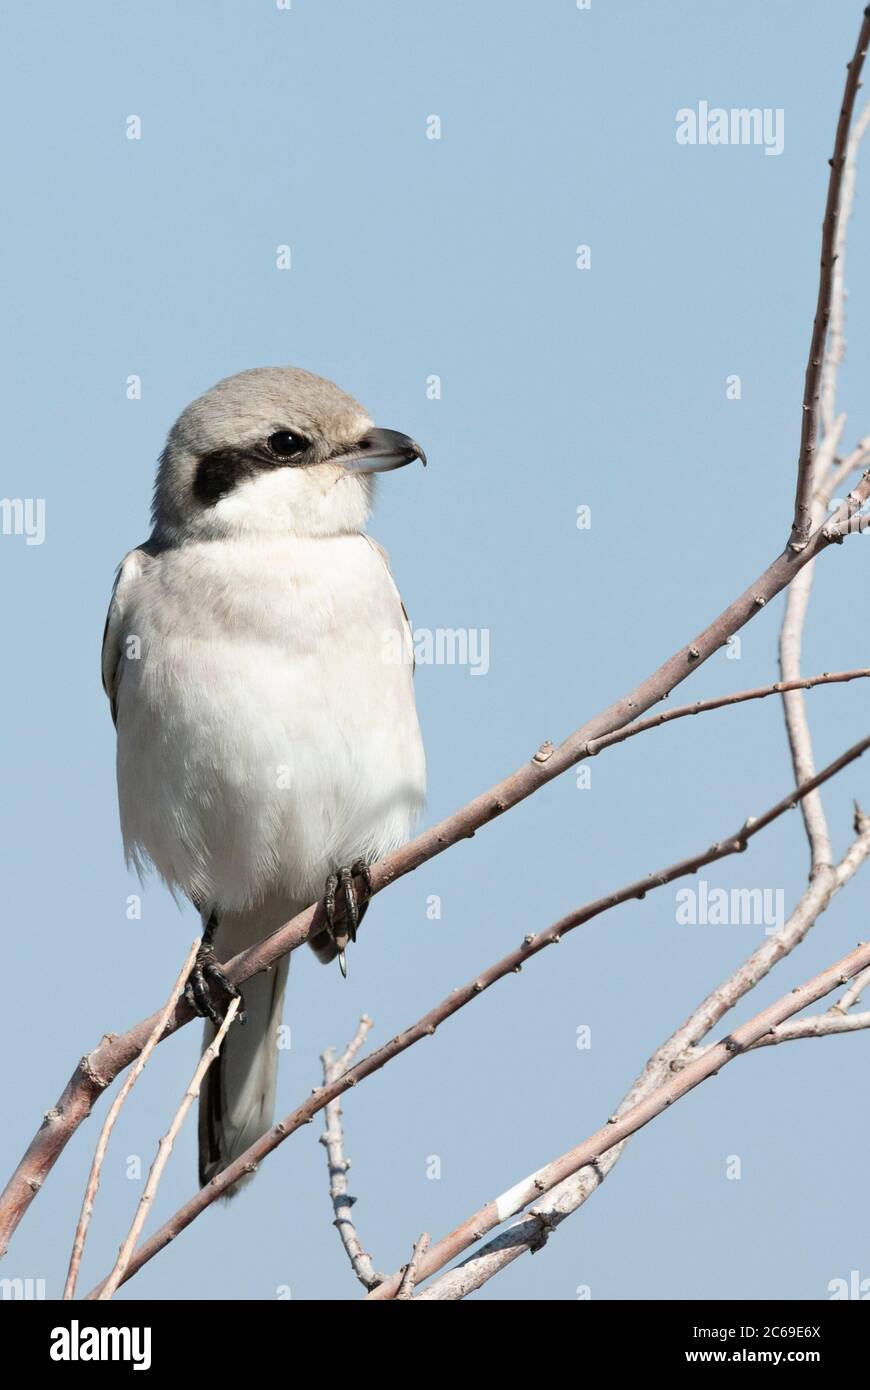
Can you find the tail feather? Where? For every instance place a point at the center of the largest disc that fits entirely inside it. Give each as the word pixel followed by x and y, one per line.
pixel 238 1094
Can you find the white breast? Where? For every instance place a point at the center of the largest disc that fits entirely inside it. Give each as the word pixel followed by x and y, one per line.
pixel 267 732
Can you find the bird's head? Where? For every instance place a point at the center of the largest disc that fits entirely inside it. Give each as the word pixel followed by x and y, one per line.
pixel 272 451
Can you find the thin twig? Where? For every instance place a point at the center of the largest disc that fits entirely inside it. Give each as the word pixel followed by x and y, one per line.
pixel 332 1139
pixel 109 1124
pixel 164 1149
pixel 794 703
pixel 410 1273
pixel 512 963
pixel 796 721
pixel 816 1026
pixel 722 701
pixel 842 469
pixel 827 475
pixel 823 475
pixel 618 1129
pixel 853 519
pixel 802 524
pixel 852 995
pixel 96 1070
pixel 528 1234
pixel 836 341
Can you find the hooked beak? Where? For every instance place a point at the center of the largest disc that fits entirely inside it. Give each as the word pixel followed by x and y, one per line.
pixel 379 451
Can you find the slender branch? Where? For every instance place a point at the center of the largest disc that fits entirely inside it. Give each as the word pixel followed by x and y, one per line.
pixel 842 469
pixel 333 1141
pixel 720 702
pixel 802 524
pixel 796 721
pixel 857 524
pixel 411 1270
pixel 109 1124
pixel 853 994
pixel 512 963
pixel 365 1026
pixel 816 1026
pixel 95 1071
pixel 824 475
pixel 529 1233
pixel 794 710
pixel 164 1149
pixel 618 1129
pixel 836 344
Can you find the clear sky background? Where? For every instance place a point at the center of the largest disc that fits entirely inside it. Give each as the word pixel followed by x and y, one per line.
pixel 560 387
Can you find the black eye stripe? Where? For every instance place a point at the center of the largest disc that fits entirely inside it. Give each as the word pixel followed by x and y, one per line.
pixel 220 472
pixel 217 474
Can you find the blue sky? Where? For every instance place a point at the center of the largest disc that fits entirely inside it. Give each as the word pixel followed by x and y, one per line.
pixel 560 388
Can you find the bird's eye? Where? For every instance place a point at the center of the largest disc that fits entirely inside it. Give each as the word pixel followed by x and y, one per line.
pixel 287 445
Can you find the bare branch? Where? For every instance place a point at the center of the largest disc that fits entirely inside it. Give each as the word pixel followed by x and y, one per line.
pixel 426 1026
pixel 853 994
pixel 109 1124
pixel 796 722
pixel 836 344
pixel 816 1026
pixel 720 702
pixel 365 1026
pixel 826 475
pixel 841 470
pixel 410 1272
pixel 164 1149
pixel 802 524
pixel 98 1069
pixel 529 1233
pixel 333 1141
pixel 618 1129
pixel 95 1071
pixel 852 519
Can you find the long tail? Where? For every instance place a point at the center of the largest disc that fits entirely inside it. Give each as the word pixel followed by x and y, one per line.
pixel 238 1095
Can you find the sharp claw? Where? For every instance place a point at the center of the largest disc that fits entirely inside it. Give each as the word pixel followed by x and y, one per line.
pixel 199 992
pixel 354 906
pixel 350 907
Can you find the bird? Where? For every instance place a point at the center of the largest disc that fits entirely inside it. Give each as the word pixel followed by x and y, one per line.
pixel 268 744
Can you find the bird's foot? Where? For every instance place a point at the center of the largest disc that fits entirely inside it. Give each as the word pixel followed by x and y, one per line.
pixel 208 991
pixel 342 885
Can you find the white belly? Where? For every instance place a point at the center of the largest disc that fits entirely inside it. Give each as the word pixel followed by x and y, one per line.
pixel 266 733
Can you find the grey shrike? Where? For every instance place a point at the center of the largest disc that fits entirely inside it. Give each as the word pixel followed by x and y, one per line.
pixel 268 752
